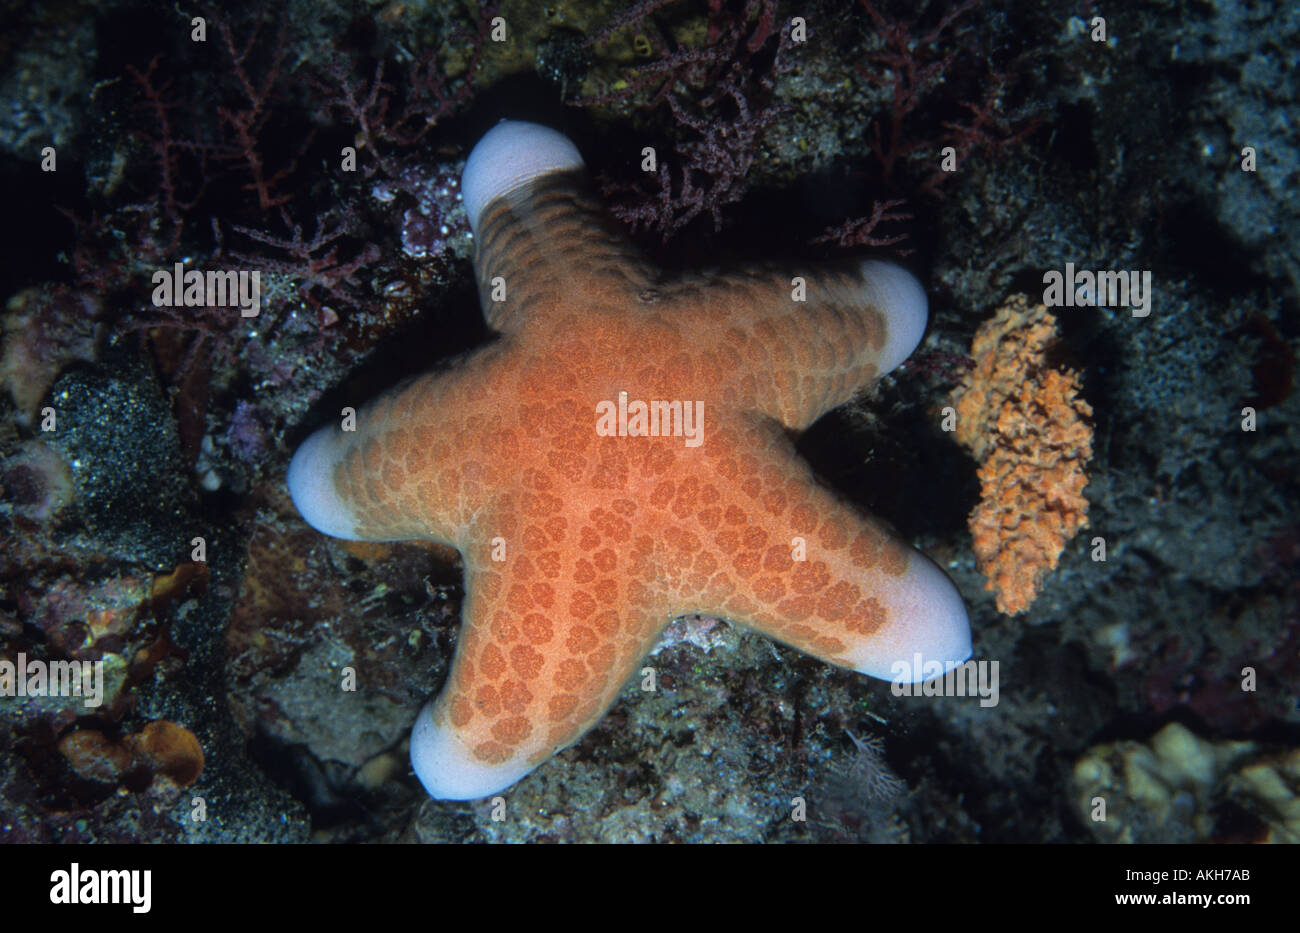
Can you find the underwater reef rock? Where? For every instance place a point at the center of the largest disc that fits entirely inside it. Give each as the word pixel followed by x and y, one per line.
pixel 334 665
pixel 161 749
pixel 112 579
pixel 1128 153
pixel 44 330
pixel 1181 788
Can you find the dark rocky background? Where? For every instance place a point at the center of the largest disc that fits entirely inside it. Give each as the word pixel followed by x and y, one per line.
pixel 176 424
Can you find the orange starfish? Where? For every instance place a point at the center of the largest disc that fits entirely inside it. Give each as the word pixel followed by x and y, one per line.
pixel 620 457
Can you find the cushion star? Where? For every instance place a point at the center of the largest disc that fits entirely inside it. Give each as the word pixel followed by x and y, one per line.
pixel 622 456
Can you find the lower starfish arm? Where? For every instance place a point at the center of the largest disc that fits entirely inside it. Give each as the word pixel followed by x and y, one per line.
pixel 784 556
pixel 538 662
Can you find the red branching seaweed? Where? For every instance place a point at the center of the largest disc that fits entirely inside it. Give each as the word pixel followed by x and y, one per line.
pixel 386 119
pixel 169 207
pixel 719 99
pixel 247 122
pixel 861 230
pixel 315 262
pixel 910 66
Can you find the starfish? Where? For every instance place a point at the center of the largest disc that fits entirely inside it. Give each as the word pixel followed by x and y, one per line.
pixel 621 456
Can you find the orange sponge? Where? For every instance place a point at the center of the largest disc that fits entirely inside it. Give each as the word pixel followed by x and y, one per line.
pixel 1023 421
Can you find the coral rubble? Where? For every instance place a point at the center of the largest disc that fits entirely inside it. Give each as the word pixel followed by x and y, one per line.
pixel 1180 787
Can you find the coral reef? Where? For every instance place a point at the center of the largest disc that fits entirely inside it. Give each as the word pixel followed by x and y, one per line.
pixel 1022 420
pixel 1180 787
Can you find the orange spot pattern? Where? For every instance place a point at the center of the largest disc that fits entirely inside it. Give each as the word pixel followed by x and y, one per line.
pixel 580 548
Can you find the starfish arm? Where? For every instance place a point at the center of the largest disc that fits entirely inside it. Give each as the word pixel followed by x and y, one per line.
pixel 541 236
pixel 545 646
pixel 414 463
pixel 806 340
pixel 781 554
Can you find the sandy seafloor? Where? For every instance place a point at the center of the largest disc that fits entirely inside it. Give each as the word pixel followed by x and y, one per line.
pixel 1115 153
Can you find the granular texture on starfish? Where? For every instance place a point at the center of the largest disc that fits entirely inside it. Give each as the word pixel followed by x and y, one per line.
pixel 619 457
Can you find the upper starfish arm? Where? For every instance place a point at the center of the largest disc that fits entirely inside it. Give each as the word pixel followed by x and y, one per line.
pixel 806 340
pixel 541 236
